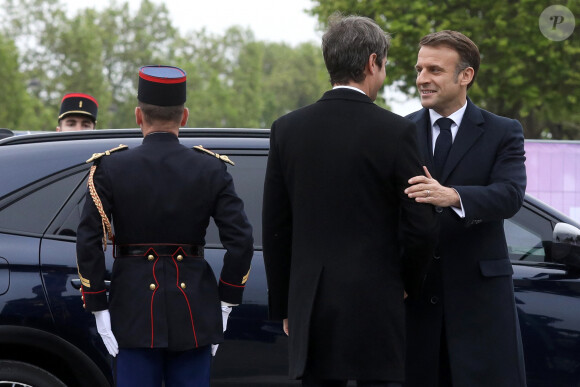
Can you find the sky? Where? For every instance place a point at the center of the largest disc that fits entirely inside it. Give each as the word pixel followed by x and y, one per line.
pixel 270 20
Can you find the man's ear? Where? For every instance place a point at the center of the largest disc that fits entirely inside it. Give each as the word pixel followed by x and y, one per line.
pixel 467 76
pixel 372 63
pixel 184 117
pixel 138 116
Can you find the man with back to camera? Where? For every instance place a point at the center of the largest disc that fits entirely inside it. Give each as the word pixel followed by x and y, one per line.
pixel 162 319
pixel 462 329
pixel 334 205
pixel 78 111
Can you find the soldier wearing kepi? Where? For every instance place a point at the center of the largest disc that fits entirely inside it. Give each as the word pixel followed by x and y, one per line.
pixel 164 299
pixel 78 111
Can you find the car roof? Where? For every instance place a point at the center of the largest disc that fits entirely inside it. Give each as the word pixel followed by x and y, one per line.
pixel 27 158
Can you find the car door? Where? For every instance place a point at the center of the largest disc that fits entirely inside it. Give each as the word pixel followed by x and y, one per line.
pixel 547 300
pixel 59 270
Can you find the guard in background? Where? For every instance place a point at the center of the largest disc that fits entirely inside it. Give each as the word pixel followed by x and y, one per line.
pixel 163 311
pixel 78 111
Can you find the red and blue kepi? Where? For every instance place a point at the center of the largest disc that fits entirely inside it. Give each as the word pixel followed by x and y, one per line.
pixel 162 85
pixel 78 104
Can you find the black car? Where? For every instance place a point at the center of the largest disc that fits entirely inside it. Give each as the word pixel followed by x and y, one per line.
pixel 48 339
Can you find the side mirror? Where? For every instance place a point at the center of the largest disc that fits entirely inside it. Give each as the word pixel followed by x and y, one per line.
pixel 566 245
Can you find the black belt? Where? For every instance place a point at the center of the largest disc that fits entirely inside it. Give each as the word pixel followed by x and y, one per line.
pixel 158 249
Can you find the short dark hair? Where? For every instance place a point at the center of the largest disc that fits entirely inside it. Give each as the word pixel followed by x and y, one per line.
pixel 467 50
pixel 152 113
pixel 347 44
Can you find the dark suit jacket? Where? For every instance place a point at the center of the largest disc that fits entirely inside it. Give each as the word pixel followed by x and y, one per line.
pixel 468 290
pixel 333 206
pixel 164 193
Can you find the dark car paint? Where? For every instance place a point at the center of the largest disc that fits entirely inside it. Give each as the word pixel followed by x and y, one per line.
pixel 38 277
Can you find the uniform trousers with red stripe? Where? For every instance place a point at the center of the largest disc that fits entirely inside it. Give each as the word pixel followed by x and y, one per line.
pixel 145 367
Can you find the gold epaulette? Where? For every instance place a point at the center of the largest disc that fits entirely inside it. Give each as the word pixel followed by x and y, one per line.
pixel 106 223
pixel 223 158
pixel 97 156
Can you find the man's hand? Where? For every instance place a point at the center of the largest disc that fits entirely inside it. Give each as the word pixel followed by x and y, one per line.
pixel 425 189
pixel 226 310
pixel 285 326
pixel 103 319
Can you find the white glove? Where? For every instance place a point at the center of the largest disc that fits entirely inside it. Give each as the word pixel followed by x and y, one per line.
pixel 103 319
pixel 226 310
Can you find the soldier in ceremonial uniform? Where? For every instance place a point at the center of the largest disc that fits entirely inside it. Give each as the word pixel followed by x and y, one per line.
pixel 163 313
pixel 78 111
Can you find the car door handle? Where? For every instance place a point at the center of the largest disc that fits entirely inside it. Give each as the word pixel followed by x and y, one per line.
pixel 76 283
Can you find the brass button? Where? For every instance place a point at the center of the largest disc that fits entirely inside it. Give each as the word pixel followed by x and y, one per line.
pixel 152 286
pixel 150 257
pixel 183 285
pixel 84 306
pixel 180 257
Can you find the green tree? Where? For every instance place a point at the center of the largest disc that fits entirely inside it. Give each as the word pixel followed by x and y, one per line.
pixel 233 80
pixel 523 74
pixel 292 78
pixel 209 61
pixel 130 41
pixel 93 52
pixel 19 110
pixel 27 23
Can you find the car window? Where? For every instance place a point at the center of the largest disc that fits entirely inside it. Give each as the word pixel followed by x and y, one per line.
pixel 31 209
pixel 67 221
pixel 248 175
pixel 528 236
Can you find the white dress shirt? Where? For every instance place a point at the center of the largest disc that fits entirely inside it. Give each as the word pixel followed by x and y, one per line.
pixel 348 87
pixel 456 117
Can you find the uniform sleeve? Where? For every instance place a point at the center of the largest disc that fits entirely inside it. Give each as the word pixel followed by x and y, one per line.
pixel 419 223
pixel 236 236
pixel 276 234
pixel 90 256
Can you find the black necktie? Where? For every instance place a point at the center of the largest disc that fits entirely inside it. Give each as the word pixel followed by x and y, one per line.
pixel 442 145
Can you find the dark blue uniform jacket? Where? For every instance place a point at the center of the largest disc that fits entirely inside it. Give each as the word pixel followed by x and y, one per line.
pixel 164 193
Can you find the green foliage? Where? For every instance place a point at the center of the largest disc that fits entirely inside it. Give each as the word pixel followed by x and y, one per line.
pixel 233 80
pixel 523 75
pixel 19 109
pixel 292 77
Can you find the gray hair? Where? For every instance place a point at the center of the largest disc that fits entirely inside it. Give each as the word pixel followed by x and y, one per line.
pixel 347 44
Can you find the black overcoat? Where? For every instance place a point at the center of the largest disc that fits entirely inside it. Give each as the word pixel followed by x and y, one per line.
pixel 162 192
pixel 469 290
pixel 333 210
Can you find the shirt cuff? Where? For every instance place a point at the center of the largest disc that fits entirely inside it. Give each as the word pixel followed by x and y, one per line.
pixel 228 304
pixel 459 211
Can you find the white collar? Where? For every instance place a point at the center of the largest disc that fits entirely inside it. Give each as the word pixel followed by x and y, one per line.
pixel 456 117
pixel 348 87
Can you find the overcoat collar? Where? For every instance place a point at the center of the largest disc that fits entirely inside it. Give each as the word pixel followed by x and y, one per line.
pixel 470 130
pixel 345 94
